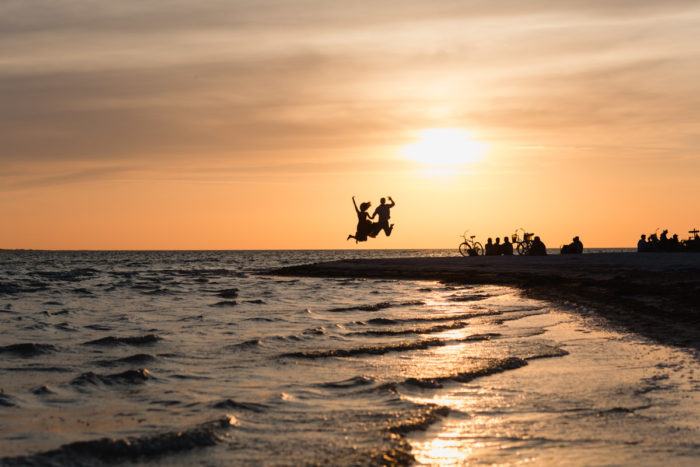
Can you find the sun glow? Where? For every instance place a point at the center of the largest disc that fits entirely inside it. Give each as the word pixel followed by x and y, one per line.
pixel 444 147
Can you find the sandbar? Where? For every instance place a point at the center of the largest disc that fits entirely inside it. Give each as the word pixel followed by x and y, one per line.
pixel 656 295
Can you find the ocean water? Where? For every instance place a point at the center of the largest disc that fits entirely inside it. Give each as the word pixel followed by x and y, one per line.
pixel 181 358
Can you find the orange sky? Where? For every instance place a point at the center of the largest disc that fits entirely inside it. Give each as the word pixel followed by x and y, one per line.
pixel 249 125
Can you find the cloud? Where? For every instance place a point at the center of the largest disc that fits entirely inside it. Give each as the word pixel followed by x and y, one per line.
pixel 156 81
pixel 28 181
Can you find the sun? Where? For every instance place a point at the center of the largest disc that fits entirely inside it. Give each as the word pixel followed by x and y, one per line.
pixel 444 147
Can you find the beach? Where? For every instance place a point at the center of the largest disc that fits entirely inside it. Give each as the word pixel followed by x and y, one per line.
pixel 652 294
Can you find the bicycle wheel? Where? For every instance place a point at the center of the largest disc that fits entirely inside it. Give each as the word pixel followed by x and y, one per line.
pixel 522 248
pixel 464 249
pixel 479 248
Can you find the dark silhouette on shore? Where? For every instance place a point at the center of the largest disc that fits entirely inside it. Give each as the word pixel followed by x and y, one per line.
pixel 490 248
pixel 506 248
pixel 523 245
pixel 537 248
pixel 573 248
pixel 662 243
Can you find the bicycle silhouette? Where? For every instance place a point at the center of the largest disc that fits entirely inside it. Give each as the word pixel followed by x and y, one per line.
pixel 469 247
pixel 524 243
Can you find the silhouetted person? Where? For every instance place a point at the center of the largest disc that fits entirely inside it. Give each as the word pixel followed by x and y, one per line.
pixel 383 212
pixel 664 242
pixel 538 248
pixel 675 244
pixel 653 243
pixel 497 246
pixel 506 247
pixel 489 248
pixel 364 225
pixel 642 244
pixel 573 248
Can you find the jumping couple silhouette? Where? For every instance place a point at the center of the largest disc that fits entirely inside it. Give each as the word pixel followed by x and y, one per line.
pixel 367 228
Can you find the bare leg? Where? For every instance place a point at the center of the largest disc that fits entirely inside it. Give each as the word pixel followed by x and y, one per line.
pixel 387 229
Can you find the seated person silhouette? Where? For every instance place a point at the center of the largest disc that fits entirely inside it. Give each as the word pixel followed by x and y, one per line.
pixel 573 248
pixel 506 248
pixel 490 248
pixel 674 244
pixel 642 244
pixel 497 246
pixel 653 243
pixel 365 227
pixel 538 248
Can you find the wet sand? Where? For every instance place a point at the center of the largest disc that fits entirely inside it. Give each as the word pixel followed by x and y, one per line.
pixel 656 295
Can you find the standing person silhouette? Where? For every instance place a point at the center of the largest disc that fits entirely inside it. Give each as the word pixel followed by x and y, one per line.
pixel 383 212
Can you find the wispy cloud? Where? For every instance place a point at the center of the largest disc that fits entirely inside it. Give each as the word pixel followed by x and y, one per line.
pixel 162 80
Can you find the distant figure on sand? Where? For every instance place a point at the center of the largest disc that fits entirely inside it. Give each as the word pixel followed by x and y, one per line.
pixel 506 247
pixel 383 212
pixel 538 248
pixel 365 227
pixel 573 248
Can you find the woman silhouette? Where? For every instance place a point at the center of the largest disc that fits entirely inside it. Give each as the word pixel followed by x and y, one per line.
pixel 364 225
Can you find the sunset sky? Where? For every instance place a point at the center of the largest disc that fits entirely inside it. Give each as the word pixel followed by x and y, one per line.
pixel 250 124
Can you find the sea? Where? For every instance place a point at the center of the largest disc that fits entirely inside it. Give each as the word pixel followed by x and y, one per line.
pixel 207 358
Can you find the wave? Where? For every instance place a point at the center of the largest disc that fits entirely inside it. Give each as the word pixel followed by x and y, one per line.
pixel 423 330
pixel 492 367
pixel 245 345
pixel 74 275
pixel 136 359
pixel 135 340
pixel 377 306
pixel 225 303
pixel 6 400
pixel 227 293
pixel 42 390
pixel 349 383
pixel 247 406
pixel 383 349
pixel 203 272
pixel 468 298
pixel 12 288
pixel 139 376
pixel 28 349
pixel 420 421
pixel 50 369
pixel 88 453
pixel 452 317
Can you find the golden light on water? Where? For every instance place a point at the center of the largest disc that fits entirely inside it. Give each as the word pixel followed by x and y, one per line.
pixel 444 148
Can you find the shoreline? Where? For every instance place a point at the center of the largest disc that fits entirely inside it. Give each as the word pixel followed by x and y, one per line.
pixel 656 295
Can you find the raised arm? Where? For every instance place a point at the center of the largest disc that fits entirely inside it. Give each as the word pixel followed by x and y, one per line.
pixel 355 204
pixel 392 202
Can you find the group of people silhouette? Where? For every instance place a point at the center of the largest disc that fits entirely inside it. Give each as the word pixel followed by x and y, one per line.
pixel 663 243
pixel 497 248
pixel 534 248
pixel 365 227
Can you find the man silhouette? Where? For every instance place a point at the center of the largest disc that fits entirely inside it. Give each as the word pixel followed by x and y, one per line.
pixel 383 212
